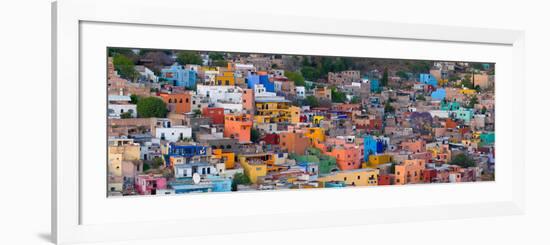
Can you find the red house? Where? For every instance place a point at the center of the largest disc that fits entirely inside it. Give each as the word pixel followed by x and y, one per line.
pixel 271 139
pixel 216 114
pixel 429 175
pixel 386 179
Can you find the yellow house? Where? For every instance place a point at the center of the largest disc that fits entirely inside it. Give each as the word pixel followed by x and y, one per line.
pixel 262 119
pixel 442 82
pixel 255 165
pixel 115 164
pixel 316 135
pixel 318 119
pixel 468 91
pixel 225 157
pixel 355 177
pixel 277 108
pixel 294 114
pixel 375 160
pixel 227 78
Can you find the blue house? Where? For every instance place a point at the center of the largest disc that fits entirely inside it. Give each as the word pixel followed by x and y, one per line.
pixel 179 76
pixel 372 146
pixel 374 85
pixel 438 94
pixel 269 86
pixel 185 151
pixel 449 106
pixel 252 79
pixel 428 79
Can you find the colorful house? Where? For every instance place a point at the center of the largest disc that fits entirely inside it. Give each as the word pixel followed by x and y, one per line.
pixel 372 146
pixel 227 78
pixel 268 85
pixel 428 79
pixel 294 142
pixel 355 177
pixel 374 85
pixel 438 94
pixel 228 158
pixel 179 76
pixel 216 114
pixel 276 108
pixel 375 160
pixel 149 184
pixel 180 154
pixel 238 126
pixel 410 172
pixel 449 106
pixel 294 114
pixel 347 157
pixel 255 165
pixel 316 135
pixel 464 114
pixel 178 102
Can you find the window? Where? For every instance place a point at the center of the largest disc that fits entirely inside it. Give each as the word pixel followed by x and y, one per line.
pixel 186 100
pixel 358 176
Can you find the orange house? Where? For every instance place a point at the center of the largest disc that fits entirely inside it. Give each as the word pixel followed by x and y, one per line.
pixel 178 103
pixel 347 158
pixel 410 172
pixel 294 142
pixel 238 126
pixel 248 100
pixel 414 146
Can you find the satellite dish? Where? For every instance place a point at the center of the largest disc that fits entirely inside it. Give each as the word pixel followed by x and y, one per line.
pixel 196 178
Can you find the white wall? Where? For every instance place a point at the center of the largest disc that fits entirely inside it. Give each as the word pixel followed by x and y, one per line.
pixel 26 31
pixel 173 134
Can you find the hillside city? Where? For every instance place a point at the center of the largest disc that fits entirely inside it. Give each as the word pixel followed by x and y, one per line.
pixel 197 121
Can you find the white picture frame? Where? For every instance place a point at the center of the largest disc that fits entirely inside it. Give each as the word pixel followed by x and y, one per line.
pixel 70 198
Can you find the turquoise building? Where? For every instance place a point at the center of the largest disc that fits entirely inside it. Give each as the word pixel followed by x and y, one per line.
pixel 179 76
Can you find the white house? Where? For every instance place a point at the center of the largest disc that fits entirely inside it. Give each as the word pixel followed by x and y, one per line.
pixel 173 134
pixel 115 110
pixel 220 93
pixel 300 92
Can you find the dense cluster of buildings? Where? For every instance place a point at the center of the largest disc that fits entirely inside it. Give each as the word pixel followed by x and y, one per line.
pixel 246 126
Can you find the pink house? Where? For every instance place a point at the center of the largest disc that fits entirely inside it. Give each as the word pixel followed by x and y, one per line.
pixel 415 146
pixel 149 184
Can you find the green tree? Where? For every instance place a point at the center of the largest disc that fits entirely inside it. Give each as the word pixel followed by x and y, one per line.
pixel 355 100
pixel 484 110
pixel 127 114
pixel 312 101
pixel 216 56
pixel 310 73
pixel 419 66
pixel 220 63
pixel 151 107
pixel 157 162
pixel 421 97
pixel 254 135
pixel 337 96
pixel 463 160
pixel 384 80
pixel 467 81
pixel 239 179
pixel 189 57
pixel 473 102
pixel 402 75
pixel 388 107
pixel 125 67
pixel 296 77
pixel 134 99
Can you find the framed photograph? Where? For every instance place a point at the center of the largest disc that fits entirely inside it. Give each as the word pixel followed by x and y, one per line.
pixel 170 125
